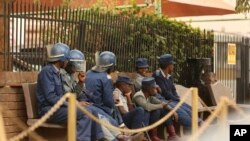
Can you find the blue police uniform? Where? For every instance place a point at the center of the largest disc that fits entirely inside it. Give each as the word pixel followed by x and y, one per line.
pixel 70 85
pixel 101 88
pixel 167 86
pixel 169 93
pixel 49 91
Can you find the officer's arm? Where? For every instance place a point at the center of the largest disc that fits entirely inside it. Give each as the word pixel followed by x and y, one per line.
pixel 48 85
pixel 174 92
pixel 174 89
pixel 78 87
pixel 83 97
pixel 137 83
pixel 130 103
pixel 108 93
pixel 164 90
pixel 142 102
pixel 122 110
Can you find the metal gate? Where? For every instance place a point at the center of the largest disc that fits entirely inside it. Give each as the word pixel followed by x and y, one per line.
pixel 231 64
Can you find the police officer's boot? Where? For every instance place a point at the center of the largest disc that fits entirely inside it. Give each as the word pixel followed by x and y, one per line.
pixel 153 135
pixel 171 132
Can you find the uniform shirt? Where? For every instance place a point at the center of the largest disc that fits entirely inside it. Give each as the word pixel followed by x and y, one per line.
pixel 149 104
pixel 167 86
pixel 101 89
pixel 71 85
pixel 117 94
pixel 137 82
pixel 49 88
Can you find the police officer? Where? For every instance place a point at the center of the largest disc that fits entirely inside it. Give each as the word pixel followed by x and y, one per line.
pixel 133 117
pixel 156 108
pixel 99 83
pixel 164 79
pixel 141 69
pixel 50 90
pixel 77 64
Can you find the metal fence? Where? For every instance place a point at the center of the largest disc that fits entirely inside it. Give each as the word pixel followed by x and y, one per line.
pixel 233 72
pixel 32 27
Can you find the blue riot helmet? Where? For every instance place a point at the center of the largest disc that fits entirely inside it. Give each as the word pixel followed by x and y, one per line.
pixel 77 60
pixel 105 60
pixel 59 52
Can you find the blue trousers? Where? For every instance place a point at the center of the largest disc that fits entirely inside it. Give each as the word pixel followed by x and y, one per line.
pixel 184 112
pixel 102 113
pixel 134 118
pixel 155 115
pixel 87 130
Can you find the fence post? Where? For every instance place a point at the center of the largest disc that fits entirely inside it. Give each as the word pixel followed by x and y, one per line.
pixel 223 117
pixel 2 129
pixel 81 31
pixel 72 118
pixel 194 110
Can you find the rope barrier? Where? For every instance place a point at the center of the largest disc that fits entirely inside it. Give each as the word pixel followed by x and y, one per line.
pixel 205 105
pixel 42 119
pixel 234 105
pixel 61 101
pixel 230 103
pixel 23 126
pixel 159 122
pixel 204 126
pixel 206 123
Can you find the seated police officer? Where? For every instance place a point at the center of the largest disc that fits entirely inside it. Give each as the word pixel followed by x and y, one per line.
pixel 156 108
pixel 164 79
pixel 77 64
pixel 99 83
pixel 50 90
pixel 133 117
pixel 141 72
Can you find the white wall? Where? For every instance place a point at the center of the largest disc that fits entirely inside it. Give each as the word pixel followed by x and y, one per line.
pixel 235 23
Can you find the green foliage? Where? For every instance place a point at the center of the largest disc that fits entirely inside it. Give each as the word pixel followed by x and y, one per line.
pixel 131 36
pixel 242 6
pixel 151 36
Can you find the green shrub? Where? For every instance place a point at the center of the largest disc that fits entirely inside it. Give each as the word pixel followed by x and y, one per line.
pixel 131 35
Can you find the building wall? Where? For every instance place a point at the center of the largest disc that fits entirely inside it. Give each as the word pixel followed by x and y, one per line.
pixel 12 99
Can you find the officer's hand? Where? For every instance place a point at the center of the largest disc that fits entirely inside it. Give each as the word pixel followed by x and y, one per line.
pixel 81 77
pixel 128 94
pixel 165 106
pixel 175 117
pixel 117 101
pixel 84 103
pixel 158 90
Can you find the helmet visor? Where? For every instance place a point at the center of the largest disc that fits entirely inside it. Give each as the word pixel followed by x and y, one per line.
pixel 79 65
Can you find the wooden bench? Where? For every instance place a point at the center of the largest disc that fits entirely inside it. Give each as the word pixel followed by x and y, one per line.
pixel 54 134
pixel 181 90
pixel 217 90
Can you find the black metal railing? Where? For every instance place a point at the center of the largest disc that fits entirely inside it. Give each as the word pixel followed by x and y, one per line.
pixel 233 72
pixel 32 27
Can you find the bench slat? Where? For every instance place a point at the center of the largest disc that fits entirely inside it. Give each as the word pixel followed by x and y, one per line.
pixel 29 90
pixel 48 125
